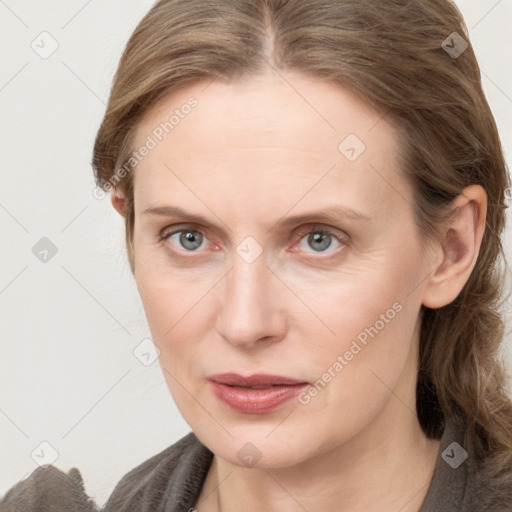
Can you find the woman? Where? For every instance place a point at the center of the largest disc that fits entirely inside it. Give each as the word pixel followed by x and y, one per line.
pixel 360 374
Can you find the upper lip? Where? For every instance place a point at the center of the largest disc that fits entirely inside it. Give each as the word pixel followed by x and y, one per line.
pixel 233 379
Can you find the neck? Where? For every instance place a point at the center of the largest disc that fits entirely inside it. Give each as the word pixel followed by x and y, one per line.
pixel 388 466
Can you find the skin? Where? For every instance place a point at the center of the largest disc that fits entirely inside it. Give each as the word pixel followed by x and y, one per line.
pixel 251 154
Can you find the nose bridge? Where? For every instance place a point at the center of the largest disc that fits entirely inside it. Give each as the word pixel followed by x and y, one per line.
pixel 250 274
pixel 248 311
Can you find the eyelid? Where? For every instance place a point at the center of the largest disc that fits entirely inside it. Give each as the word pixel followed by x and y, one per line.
pixel 168 231
pixel 341 236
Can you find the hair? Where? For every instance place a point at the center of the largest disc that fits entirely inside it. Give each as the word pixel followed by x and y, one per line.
pixel 391 55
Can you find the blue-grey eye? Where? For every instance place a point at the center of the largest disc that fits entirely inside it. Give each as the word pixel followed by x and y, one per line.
pixel 319 240
pixel 189 239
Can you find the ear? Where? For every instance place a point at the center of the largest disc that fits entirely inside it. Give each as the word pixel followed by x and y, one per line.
pixel 458 249
pixel 118 201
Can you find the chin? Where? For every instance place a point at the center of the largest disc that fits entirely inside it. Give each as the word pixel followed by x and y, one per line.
pixel 260 446
pixel 261 456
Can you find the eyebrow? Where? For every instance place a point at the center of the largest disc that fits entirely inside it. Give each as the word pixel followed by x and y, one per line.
pixel 329 214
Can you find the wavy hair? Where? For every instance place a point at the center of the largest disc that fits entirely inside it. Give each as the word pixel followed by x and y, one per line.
pixel 393 54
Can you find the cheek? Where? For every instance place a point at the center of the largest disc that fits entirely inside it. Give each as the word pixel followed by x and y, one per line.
pixel 157 300
pixel 368 328
pixel 374 314
pixel 169 294
pixel 177 312
pixel 373 298
pixel 353 375
pixel 364 300
pixel 172 332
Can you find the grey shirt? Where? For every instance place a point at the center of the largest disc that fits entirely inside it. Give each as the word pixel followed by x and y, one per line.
pixel 171 481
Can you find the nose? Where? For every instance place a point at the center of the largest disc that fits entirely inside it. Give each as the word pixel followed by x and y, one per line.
pixel 253 304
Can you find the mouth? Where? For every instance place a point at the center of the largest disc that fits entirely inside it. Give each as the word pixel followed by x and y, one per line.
pixel 255 394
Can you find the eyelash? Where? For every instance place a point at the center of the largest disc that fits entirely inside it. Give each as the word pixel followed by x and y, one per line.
pixel 165 235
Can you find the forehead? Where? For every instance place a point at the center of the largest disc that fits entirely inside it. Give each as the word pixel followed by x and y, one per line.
pixel 271 137
pixel 290 108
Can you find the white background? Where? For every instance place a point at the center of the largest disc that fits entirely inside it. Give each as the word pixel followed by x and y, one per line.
pixel 68 375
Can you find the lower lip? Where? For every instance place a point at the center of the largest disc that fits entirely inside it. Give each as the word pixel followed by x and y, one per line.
pixel 255 401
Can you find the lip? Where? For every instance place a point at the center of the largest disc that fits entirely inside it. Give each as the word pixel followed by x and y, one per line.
pixel 235 391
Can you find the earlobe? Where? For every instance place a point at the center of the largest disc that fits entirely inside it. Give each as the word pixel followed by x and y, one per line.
pixel 460 246
pixel 118 201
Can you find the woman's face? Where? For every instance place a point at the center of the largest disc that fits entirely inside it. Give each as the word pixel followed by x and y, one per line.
pixel 331 300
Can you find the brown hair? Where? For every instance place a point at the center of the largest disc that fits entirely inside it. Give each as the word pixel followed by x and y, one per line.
pixel 391 54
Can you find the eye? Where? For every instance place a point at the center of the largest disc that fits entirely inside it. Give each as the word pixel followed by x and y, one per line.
pixel 320 239
pixel 188 239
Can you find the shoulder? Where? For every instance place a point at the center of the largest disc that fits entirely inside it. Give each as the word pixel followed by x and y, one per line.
pixel 463 482
pixel 485 490
pixel 46 489
pixel 175 475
